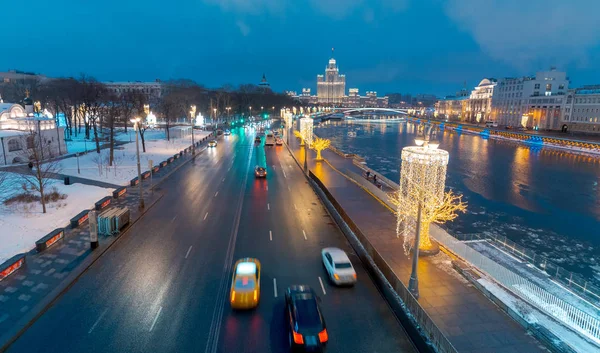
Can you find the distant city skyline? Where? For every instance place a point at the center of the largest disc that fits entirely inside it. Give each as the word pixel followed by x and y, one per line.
pixel 386 46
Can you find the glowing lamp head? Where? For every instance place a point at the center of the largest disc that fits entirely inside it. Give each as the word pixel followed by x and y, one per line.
pixel 419 141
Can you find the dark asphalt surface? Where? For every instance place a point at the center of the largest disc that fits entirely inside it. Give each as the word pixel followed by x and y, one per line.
pixel 164 286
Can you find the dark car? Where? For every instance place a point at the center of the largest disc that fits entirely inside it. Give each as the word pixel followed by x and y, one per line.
pixel 260 172
pixel 257 139
pixel 307 330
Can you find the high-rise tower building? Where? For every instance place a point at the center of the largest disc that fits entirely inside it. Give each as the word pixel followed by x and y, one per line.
pixel 331 87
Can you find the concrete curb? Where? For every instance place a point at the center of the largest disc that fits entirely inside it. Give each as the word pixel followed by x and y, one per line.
pixel 40 308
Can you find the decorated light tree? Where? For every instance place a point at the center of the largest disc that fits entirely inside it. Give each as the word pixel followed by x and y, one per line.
pixel 306 129
pixel 299 135
pixel 319 144
pixel 421 199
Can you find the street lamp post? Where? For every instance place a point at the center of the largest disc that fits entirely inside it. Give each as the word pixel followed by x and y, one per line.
pixel 250 108
pixel 214 117
pixel 193 114
pixel 136 123
pixel 228 114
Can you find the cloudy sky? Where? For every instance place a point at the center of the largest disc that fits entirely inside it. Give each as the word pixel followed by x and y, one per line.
pixel 418 46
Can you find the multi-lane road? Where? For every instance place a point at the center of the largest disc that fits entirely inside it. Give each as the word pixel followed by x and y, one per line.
pixel 164 287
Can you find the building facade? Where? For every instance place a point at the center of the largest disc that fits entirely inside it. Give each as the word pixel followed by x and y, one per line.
pixel 530 101
pixel 21 77
pixel 479 107
pixel 152 90
pixel 331 87
pixel 20 130
pixel 581 110
pixel 452 108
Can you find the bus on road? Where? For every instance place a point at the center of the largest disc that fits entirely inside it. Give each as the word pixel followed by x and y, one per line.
pixel 270 140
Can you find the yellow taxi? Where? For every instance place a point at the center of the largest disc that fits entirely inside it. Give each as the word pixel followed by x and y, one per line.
pixel 245 285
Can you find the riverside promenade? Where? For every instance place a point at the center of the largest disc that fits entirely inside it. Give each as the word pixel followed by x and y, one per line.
pixel 470 321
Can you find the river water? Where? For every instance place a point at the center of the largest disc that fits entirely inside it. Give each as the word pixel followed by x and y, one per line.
pixel 546 200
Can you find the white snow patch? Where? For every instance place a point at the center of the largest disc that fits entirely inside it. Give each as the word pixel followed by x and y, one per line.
pixel 94 166
pixel 23 226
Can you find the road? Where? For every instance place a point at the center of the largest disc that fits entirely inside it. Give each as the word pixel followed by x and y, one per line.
pixel 164 286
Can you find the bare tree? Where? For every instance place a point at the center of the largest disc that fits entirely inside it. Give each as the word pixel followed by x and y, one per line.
pixel 112 109
pixel 40 172
pixel 92 104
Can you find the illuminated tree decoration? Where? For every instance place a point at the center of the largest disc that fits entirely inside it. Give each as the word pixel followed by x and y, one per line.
pixel 320 144
pixel 306 129
pixel 299 135
pixel 422 183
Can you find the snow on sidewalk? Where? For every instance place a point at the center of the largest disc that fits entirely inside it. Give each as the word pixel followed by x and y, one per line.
pixel 23 225
pixel 94 166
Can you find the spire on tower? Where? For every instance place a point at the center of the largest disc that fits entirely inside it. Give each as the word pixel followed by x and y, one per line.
pixel 332 52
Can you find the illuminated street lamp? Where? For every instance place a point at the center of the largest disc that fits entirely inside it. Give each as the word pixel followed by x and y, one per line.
pixel 192 116
pixel 306 129
pixel 136 123
pixel 421 199
pixel 228 113
pixel 250 108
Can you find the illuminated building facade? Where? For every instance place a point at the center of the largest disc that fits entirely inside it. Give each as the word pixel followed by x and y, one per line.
pixel 331 87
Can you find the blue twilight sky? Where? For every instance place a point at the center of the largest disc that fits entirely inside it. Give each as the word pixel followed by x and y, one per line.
pixel 417 46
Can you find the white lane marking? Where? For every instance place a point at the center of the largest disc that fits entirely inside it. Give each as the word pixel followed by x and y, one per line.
pixel 275 287
pixel 289 188
pixel 206 215
pixel 228 169
pixel 322 286
pixel 97 321
pixel 267 187
pixel 223 180
pixel 289 165
pixel 304 233
pixel 173 220
pixel 270 235
pixel 216 193
pixel 296 208
pixel 156 318
pixel 188 252
pixel 285 176
pixel 269 206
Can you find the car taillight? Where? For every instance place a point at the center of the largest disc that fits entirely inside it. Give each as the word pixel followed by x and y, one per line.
pixel 335 275
pixel 323 336
pixel 232 296
pixel 298 339
pixel 255 295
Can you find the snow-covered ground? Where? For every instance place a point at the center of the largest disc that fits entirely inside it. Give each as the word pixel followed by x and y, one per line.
pixel 95 166
pixel 80 145
pixel 533 274
pixel 531 315
pixel 24 224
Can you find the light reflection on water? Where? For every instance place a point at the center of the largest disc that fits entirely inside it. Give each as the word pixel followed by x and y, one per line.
pixel 544 199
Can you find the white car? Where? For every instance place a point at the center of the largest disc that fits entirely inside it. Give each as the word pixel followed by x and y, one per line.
pixel 212 143
pixel 338 266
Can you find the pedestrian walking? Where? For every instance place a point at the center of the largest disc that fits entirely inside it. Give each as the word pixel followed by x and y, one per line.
pixel 368 174
pixel 375 178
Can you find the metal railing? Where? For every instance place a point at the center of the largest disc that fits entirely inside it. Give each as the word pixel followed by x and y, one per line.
pixel 543 300
pixel 571 280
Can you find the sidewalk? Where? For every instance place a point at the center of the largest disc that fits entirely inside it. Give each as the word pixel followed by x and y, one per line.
pixel 469 320
pixel 31 289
